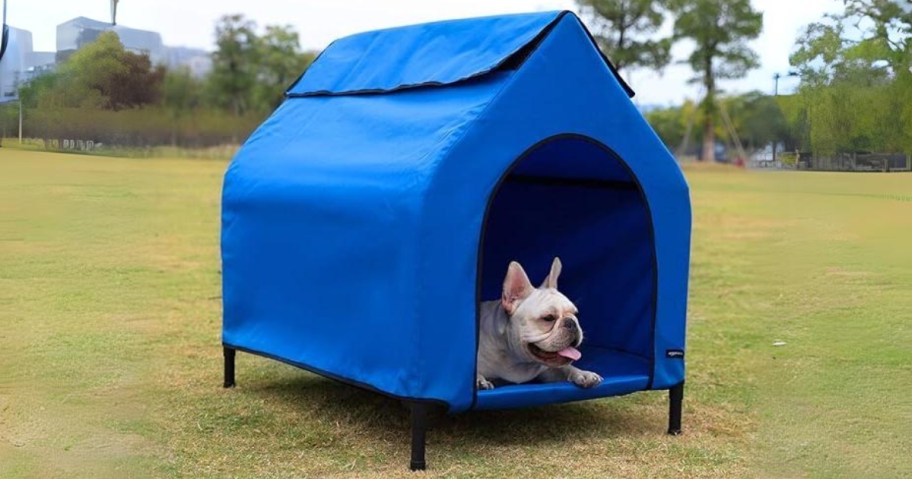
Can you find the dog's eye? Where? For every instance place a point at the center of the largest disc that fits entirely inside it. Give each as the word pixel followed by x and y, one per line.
pixel 550 318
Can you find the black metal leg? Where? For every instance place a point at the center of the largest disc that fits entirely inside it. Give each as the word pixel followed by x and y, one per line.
pixel 229 366
pixel 419 429
pixel 675 403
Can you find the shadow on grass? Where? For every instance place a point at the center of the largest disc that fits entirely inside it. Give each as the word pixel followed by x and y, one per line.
pixel 384 417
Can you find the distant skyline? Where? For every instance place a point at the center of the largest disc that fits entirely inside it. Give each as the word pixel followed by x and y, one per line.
pixel 191 23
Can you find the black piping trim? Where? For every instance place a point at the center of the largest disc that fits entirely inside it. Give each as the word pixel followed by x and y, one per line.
pixel 484 226
pixel 614 70
pixel 511 61
pixel 522 50
pixel 301 76
pixel 383 91
pixel 573 182
pixel 335 377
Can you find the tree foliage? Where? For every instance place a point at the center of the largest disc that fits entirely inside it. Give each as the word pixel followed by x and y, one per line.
pixel 670 124
pixel 234 63
pixel 101 75
pixel 758 120
pixel 720 30
pixel 856 89
pixel 625 30
pixel 280 62
pixel 251 70
pixel 181 95
pixel 889 28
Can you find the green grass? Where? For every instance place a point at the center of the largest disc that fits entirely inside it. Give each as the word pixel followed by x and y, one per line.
pixel 823 262
pixel 111 362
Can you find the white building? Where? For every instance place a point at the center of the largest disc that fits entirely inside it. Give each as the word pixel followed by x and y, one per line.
pixel 197 60
pixel 80 31
pixel 21 63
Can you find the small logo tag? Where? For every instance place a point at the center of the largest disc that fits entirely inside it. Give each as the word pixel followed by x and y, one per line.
pixel 674 353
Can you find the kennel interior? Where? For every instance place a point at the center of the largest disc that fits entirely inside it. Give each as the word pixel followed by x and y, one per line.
pixel 367 217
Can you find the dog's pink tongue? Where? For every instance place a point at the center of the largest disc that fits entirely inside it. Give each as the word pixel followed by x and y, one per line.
pixel 571 353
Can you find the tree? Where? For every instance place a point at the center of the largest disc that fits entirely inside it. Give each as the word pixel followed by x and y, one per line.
pixel 826 54
pixel 820 51
pixel 720 29
pixel 673 125
pixel 181 93
pixel 623 30
pixel 87 75
pixel 891 28
pixel 32 92
pixel 856 87
pixel 280 62
pixel 250 71
pixel 758 120
pixel 138 84
pixel 874 49
pixel 234 70
pixel 100 75
pixel 669 123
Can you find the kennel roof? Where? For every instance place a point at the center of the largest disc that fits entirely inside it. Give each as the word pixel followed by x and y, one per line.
pixel 353 217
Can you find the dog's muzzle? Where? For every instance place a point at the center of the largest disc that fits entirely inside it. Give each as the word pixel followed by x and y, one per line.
pixel 573 326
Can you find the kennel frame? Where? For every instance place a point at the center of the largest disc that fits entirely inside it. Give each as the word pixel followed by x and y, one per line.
pixel 476 88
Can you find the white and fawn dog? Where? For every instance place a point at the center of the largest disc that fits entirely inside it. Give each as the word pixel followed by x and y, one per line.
pixel 530 333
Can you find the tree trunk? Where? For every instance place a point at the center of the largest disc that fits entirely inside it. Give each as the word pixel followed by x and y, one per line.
pixel 709 139
pixel 709 108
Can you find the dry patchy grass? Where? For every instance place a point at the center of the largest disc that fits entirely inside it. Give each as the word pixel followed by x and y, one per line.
pixel 110 306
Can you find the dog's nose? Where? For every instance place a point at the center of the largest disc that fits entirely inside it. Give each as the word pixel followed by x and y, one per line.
pixel 568 323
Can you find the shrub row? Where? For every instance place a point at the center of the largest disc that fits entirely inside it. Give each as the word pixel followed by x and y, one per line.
pixel 143 127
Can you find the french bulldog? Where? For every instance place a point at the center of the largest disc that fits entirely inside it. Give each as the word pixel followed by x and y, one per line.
pixel 530 333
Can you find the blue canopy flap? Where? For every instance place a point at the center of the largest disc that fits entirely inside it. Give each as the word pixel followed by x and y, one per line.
pixel 428 54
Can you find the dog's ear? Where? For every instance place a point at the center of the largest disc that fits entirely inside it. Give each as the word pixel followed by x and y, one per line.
pixel 516 288
pixel 551 280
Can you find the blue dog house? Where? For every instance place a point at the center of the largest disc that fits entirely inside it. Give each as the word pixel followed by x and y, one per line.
pixel 367 218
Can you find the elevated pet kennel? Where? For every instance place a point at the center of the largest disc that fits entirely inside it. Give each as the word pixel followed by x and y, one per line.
pixel 364 221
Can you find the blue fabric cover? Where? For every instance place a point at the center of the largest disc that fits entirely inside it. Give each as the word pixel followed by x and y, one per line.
pixel 354 233
pixel 430 53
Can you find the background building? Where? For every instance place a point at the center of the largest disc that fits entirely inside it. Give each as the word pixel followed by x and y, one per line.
pixel 80 31
pixel 21 63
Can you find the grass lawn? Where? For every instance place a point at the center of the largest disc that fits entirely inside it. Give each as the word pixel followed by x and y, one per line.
pixel 111 362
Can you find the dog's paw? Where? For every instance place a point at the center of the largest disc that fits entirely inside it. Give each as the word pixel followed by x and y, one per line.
pixel 483 383
pixel 585 379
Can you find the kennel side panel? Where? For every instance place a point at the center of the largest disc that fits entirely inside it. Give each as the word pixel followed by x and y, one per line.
pixel 563 87
pixel 319 245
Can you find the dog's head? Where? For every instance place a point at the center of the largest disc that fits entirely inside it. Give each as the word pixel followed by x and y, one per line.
pixel 543 326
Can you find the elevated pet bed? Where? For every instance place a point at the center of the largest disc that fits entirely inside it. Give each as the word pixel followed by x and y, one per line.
pixel 364 221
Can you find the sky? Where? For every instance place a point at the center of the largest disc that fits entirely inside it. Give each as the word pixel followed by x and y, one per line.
pixel 191 23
